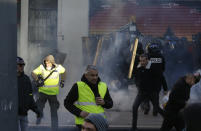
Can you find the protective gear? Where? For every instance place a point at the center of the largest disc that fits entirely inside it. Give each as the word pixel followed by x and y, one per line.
pixel 86 100
pixel 153 48
pixel 20 61
pixel 51 85
pixel 62 83
pixel 48 68
pixel 158 67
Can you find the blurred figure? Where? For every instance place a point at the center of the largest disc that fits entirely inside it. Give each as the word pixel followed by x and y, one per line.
pixel 95 122
pixel 143 78
pixel 195 95
pixel 47 77
pixel 90 95
pixel 178 97
pixel 25 97
pixel 192 117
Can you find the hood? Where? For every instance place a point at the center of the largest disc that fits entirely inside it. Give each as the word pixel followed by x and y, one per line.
pixel 49 58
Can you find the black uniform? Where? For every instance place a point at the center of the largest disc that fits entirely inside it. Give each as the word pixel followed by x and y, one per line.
pixel 143 78
pixel 177 100
pixel 192 117
pixel 158 67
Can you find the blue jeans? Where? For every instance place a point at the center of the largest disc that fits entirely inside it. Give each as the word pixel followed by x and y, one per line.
pixel 23 123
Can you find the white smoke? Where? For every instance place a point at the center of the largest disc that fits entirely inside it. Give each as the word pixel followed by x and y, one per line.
pixel 73 26
pixel 123 99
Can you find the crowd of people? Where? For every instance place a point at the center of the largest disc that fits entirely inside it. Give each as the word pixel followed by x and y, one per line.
pixel 89 97
pixel 86 100
pixel 181 55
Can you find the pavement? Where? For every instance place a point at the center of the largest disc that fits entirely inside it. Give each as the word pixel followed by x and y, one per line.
pixel 117 120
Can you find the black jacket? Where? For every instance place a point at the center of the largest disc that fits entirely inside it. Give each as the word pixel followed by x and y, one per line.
pixel 73 97
pixel 144 78
pixel 25 98
pixel 179 95
pixel 180 92
pixel 157 63
pixel 158 67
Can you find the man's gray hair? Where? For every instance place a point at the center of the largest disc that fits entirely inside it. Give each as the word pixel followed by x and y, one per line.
pixel 90 67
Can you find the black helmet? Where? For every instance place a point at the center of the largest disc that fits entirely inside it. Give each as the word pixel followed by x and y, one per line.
pixel 20 61
pixel 153 48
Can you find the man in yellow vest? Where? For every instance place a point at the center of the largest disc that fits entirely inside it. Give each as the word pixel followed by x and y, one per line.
pixel 49 82
pixel 89 95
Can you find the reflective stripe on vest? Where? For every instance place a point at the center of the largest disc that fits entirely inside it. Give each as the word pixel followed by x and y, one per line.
pixel 51 85
pixel 85 103
pixel 86 100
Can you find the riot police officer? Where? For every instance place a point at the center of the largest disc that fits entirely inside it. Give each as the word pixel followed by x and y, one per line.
pixel 158 67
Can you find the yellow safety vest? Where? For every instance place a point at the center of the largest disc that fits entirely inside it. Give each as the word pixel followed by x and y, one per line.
pixel 86 100
pixel 51 85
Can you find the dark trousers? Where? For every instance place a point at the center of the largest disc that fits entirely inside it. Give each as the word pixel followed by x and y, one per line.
pixel 164 82
pixel 146 106
pixel 141 97
pixel 173 118
pixel 160 81
pixel 79 127
pixel 54 106
pixel 167 124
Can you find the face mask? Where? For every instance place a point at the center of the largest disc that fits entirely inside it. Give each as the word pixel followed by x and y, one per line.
pixel 48 68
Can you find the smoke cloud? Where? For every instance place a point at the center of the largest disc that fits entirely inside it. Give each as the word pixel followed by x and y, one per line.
pixel 113 63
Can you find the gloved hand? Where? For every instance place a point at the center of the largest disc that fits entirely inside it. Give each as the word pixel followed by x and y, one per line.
pixel 40 81
pixel 62 83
